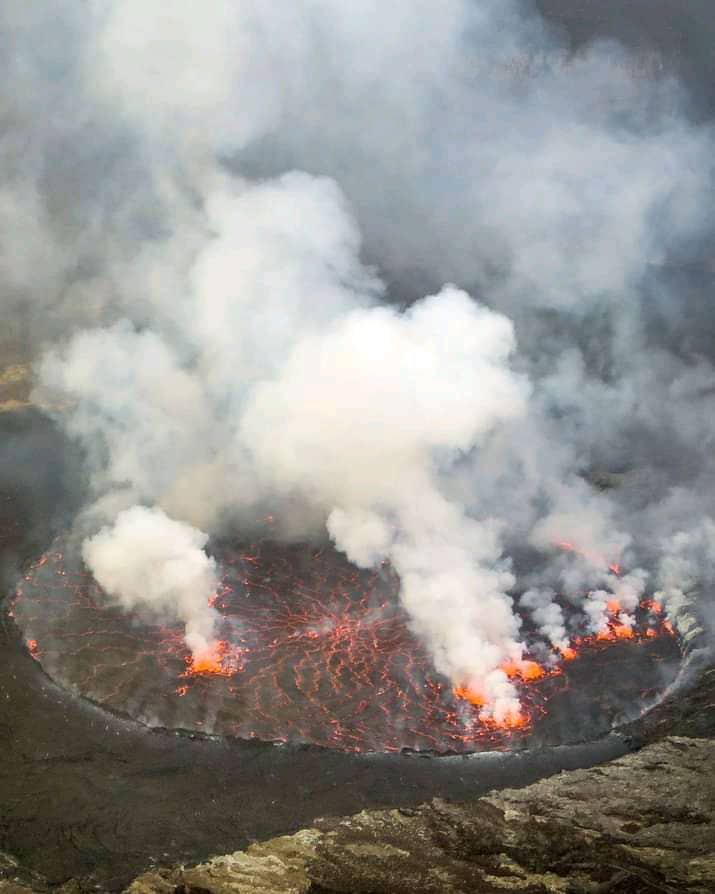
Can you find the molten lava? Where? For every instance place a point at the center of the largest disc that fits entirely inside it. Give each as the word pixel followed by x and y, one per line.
pixel 218 659
pixel 470 695
pixel 506 721
pixel 514 720
pixel 523 670
pixel 311 649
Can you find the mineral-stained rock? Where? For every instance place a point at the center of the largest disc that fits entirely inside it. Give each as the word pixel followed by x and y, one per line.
pixel 15 879
pixel 153 883
pixel 278 866
pixel 644 823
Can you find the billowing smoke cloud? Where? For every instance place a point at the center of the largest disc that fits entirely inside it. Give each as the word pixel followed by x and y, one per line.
pixel 231 214
pixel 356 422
pixel 686 574
pixel 150 562
pixel 548 616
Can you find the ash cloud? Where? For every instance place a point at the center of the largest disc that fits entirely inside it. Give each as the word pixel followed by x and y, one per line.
pixel 230 216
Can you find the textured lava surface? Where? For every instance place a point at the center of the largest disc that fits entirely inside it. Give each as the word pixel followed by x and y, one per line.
pixel 315 651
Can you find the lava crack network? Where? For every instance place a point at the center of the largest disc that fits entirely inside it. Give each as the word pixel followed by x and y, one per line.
pixel 312 650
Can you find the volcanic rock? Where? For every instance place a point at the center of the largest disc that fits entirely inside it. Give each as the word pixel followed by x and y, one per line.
pixel 645 822
pixel 16 879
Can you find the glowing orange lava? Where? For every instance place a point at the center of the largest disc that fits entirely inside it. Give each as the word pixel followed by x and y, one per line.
pixel 510 721
pixel 615 630
pixel 470 695
pixel 217 660
pixel 514 720
pixel 525 670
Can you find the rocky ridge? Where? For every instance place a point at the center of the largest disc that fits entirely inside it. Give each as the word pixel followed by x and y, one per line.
pixel 643 823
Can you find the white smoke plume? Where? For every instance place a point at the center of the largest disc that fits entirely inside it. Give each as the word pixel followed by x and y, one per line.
pixel 621 598
pixel 547 615
pixel 232 212
pixel 685 578
pixel 356 422
pixel 151 563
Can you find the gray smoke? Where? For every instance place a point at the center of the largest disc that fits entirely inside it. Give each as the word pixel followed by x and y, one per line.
pixel 220 223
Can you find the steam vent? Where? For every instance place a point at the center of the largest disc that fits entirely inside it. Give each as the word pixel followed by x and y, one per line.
pixel 357 424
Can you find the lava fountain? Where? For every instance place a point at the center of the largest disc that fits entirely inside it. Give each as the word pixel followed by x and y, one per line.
pixel 312 650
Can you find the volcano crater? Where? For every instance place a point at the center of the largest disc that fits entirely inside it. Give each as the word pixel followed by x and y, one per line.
pixel 313 651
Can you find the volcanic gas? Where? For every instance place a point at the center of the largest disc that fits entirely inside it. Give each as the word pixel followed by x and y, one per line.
pixel 311 649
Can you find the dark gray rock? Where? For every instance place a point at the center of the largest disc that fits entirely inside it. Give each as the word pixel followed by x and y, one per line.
pixel 643 823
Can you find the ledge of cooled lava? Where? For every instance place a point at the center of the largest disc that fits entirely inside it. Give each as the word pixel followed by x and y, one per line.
pixel 642 823
pixel 645 822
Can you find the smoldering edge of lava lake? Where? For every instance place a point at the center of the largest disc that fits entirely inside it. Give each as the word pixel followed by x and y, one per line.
pixel 315 651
